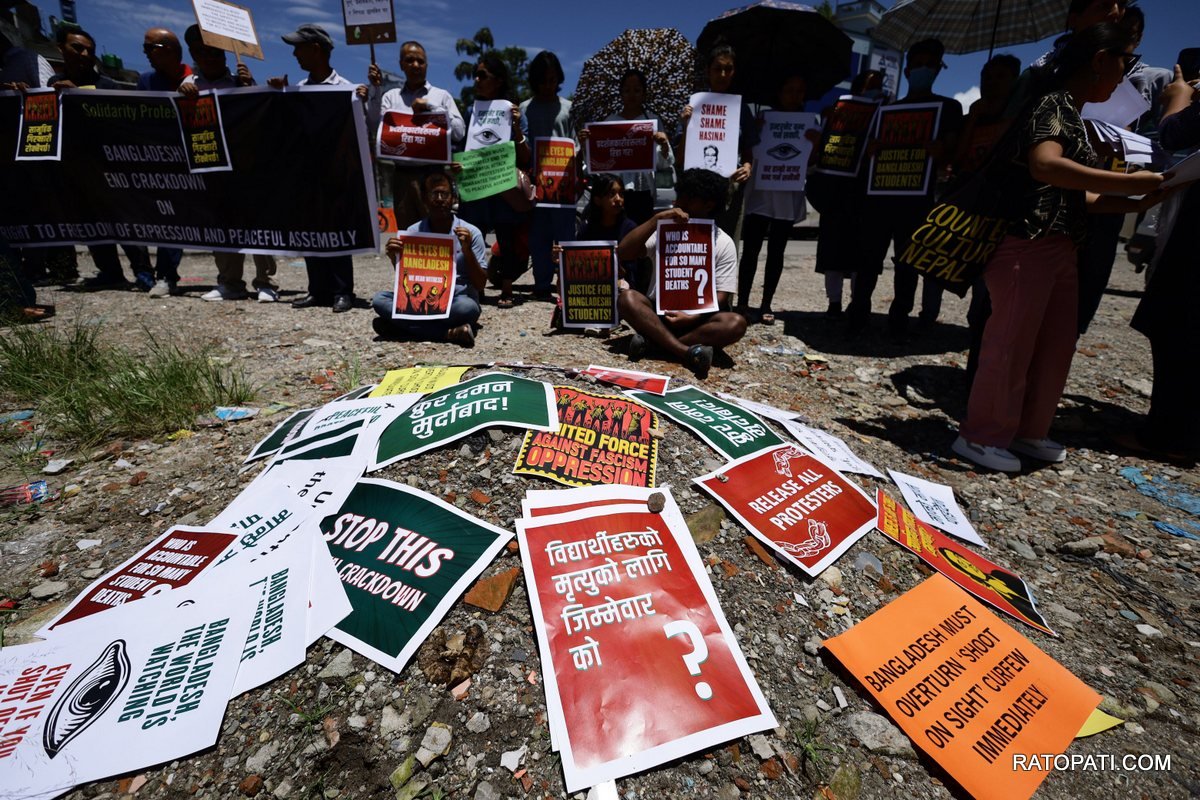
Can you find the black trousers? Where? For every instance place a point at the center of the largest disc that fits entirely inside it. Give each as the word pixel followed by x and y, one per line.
pixel 755 228
pixel 330 277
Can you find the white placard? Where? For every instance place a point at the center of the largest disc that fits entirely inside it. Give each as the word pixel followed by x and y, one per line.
pixel 934 503
pixel 491 123
pixel 1123 108
pixel 762 409
pixel 712 133
pixel 367 12
pixel 830 449
pixel 225 19
pixel 781 155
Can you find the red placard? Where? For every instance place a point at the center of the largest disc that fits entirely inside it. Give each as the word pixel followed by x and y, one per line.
pixel 797 504
pixel 424 276
pixel 555 165
pixel 684 259
pixel 621 146
pixel 630 379
pixel 422 138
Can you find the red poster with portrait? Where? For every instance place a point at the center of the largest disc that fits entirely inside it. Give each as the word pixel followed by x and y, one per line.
pixel 685 266
pixel 555 172
pixel 424 276
pixel 641 666
pixel 798 505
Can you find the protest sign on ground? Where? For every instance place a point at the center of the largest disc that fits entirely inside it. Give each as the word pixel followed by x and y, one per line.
pixel 368 21
pixel 491 123
pixel 629 378
pixel 414 138
pixel 934 503
pixel 424 276
pixel 340 428
pixel 451 413
pixel 626 146
pixel 601 439
pixel 781 155
pixel 202 133
pixel 487 171
pixel 711 138
pixel 801 507
pixel 844 136
pixel 228 26
pixel 282 434
pixel 554 172
pixel 640 665
pixel 830 449
pixel 989 582
pixel 727 428
pixel 902 165
pixel 684 266
pixel 587 284
pixel 547 502
pixel 762 409
pixel 40 135
pixel 404 558
pixel 978 697
pixel 418 380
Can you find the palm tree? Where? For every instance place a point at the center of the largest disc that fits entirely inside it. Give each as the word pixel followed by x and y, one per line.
pixel 515 57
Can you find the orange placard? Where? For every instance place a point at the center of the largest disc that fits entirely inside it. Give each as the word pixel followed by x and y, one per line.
pixel 967 688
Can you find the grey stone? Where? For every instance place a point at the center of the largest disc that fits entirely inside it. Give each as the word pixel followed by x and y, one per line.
pixel 1164 694
pixel 705 767
pixel 729 792
pixel 1084 547
pixel 479 722
pixel 1148 630
pixel 342 666
pixel 878 735
pixel 485 791
pixel 1129 615
pixel 48 589
pixel 435 744
pixel 1022 549
pixel 1063 614
pixel 868 561
pixel 761 747
pixel 511 760
pixel 390 723
pixel 283 790
pixel 56 465
pixel 259 762
pixel 832 576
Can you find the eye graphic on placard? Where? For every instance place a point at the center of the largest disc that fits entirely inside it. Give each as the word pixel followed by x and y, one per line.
pixel 784 151
pixel 87 698
pixel 487 136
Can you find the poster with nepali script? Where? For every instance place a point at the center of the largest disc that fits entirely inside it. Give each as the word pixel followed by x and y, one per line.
pixel 554 172
pixel 601 439
pixel 626 146
pixel 712 133
pixel 640 665
pixel 424 276
pixel 587 284
pixel 989 582
pixel 629 378
pixel 799 506
pixel 727 428
pixel 491 123
pixel 902 164
pixel 414 137
pixel 685 266
pixel 344 428
pixel 844 136
pixel 40 134
pixel 975 695
pixel 781 155
pixel 404 558
pixel 486 401
pixel 145 684
pixel 202 134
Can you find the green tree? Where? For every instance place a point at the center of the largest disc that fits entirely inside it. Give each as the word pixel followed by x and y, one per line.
pixel 826 10
pixel 515 58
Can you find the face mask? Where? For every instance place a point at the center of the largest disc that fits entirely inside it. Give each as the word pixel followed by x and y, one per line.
pixel 920 79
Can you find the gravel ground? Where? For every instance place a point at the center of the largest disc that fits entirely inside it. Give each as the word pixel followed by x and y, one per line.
pixel 1121 591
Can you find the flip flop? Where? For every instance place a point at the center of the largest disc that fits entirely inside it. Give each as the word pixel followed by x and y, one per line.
pixel 767 318
pixel 504 302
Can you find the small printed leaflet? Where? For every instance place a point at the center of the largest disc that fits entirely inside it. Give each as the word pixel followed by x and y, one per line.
pixel 40 131
pixel 934 503
pixel 414 138
pixel 684 263
pixel 799 506
pixel 902 165
pixel 587 284
pixel 830 449
pixel 404 557
pixel 640 665
pixel 425 276
pixel 989 582
pixel 629 379
pixel 621 146
pixel 202 134
pixel 844 137
pixel 712 133
pixel 781 156
pixel 975 695
pixel 555 172
pixel 417 380
pixel 601 439
pixel 727 428
pixel 485 401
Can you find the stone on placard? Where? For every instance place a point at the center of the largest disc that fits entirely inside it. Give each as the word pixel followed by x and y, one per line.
pixel 492 593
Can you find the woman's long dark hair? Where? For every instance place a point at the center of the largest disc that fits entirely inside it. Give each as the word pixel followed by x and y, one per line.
pixel 495 65
pixel 599 185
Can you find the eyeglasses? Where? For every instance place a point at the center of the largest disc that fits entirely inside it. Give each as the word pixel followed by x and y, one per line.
pixel 150 48
pixel 440 194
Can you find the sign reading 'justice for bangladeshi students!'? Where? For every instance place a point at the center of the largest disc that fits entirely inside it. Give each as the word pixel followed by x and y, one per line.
pixel 684 268
pixel 974 694
pixel 425 276
pixel 587 284
pixel 902 164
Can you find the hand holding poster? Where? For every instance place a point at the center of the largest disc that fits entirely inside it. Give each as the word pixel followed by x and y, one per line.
pixel 844 137
pixel 487 171
pixel 712 134
pixel 781 155
pixel 797 505
pixel 203 135
pixel 902 164
pixel 39 137
pixel 417 138
pixel 227 26
pixel 641 666
pixel 587 284
pixel 424 276
pixel 491 123
pixel 601 439
pixel 978 697
pixel 554 167
pixel 685 268
pixel 727 428
pixel 622 146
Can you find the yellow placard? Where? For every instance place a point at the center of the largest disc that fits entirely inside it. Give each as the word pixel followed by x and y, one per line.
pixel 413 380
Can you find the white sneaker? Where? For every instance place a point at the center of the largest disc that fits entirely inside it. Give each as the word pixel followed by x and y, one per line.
pixel 163 287
pixel 267 295
pixel 224 293
pixel 996 458
pixel 1041 449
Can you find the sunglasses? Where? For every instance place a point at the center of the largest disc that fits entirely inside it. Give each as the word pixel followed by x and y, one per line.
pixel 150 48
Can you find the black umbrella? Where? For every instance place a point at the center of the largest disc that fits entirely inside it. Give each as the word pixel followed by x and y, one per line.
pixel 664 55
pixel 773 39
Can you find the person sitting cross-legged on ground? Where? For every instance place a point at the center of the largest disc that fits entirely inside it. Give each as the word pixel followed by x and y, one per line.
pixel 437 190
pixel 687 338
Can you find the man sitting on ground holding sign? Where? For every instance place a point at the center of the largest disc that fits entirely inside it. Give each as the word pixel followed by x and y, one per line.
pixel 687 338
pixel 437 190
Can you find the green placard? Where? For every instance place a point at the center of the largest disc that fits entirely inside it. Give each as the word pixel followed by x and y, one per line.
pixel 729 429
pixel 487 171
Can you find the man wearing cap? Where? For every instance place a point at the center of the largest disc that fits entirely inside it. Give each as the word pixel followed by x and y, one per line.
pixel 891 219
pixel 212 72
pixel 330 278
pixel 416 96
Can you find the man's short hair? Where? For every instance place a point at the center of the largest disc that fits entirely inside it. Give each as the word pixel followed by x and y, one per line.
pixel 413 43
pixel 67 29
pixel 435 178
pixel 930 47
pixel 704 185
pixel 193 37
pixel 1007 62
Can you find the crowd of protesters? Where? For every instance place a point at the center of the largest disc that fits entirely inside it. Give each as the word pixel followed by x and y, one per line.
pixel 1037 295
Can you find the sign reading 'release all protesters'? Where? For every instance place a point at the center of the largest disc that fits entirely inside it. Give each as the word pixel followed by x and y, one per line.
pixel 124 175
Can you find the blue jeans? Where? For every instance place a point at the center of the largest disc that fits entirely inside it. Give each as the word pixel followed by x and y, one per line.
pixel 464 309
pixel 548 225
